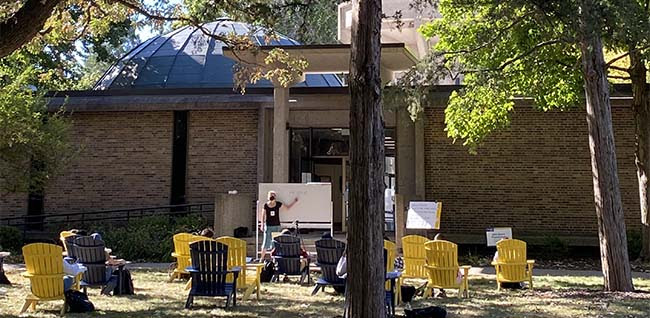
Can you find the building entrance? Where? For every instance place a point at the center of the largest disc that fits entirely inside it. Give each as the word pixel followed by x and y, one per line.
pixel 321 155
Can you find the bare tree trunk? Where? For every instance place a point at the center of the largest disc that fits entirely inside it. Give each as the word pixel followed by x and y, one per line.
pixel 607 196
pixel 641 107
pixel 366 269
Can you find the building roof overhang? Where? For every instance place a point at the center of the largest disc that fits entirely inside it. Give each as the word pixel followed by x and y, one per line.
pixel 329 58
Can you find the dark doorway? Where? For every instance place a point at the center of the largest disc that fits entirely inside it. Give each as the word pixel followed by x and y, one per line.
pixel 179 158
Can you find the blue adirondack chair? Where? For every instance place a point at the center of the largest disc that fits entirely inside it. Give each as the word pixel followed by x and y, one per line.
pixel 328 253
pixel 287 259
pixel 209 271
pixel 90 252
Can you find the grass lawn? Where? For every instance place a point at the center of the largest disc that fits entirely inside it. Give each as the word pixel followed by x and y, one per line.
pixel 552 297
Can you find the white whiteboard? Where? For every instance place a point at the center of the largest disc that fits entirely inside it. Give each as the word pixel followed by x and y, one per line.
pixel 423 215
pixel 313 209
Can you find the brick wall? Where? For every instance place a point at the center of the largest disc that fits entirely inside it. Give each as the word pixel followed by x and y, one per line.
pixel 222 154
pixel 12 204
pixel 534 177
pixel 125 162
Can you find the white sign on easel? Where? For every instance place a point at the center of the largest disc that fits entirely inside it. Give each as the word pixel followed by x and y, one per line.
pixel 424 215
pixel 495 234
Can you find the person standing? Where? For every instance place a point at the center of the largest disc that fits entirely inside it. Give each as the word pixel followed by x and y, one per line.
pixel 271 220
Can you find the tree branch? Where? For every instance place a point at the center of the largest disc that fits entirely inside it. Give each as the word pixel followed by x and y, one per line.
pixel 518 57
pixel 23 26
pixel 612 61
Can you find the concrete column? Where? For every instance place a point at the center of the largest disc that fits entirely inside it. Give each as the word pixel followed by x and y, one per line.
pixel 280 134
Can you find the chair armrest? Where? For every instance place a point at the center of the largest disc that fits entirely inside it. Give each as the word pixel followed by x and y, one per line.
pixel 174 254
pixel 466 269
pixel 493 263
pixel 530 262
pixel 29 275
pixel 235 269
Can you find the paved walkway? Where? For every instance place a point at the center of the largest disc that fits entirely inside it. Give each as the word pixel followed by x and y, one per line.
pixel 479 271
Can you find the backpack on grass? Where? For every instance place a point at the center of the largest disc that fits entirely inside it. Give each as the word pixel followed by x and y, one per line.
pixel 267 272
pixel 78 302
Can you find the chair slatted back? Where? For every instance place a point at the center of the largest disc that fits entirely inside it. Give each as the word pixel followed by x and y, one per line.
pixel 287 254
pixel 512 259
pixel 182 248
pixel 286 245
pixel 44 261
pixel 391 250
pixel 443 257
pixel 328 253
pixel 414 256
pixel 89 250
pixel 210 259
pixel 62 236
pixel 236 257
pixel 68 242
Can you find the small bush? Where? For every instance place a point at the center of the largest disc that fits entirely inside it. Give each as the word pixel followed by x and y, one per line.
pixel 11 240
pixel 553 247
pixel 148 239
pixel 634 244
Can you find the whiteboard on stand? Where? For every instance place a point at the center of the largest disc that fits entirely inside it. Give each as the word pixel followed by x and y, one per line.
pixel 313 209
pixel 424 215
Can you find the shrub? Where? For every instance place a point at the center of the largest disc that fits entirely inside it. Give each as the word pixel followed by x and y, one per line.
pixel 11 240
pixel 148 239
pixel 634 244
pixel 553 246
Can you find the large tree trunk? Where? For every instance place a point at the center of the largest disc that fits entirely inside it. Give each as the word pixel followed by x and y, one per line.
pixel 641 107
pixel 607 196
pixel 366 269
pixel 23 26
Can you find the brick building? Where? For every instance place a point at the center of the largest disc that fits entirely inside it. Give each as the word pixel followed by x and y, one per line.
pixel 163 126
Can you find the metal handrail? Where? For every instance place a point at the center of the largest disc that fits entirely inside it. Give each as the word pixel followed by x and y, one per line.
pixel 103 215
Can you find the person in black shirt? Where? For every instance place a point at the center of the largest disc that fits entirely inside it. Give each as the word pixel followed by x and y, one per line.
pixel 271 220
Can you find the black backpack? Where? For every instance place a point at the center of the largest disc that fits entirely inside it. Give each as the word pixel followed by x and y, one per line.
pixel 267 271
pixel 78 302
pixel 113 284
pixel 426 312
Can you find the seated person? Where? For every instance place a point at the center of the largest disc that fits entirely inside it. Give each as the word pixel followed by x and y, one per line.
pixel 71 271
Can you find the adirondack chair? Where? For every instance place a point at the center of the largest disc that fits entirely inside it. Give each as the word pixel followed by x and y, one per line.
pixel 442 268
pixel 392 277
pixel 287 257
pixel 511 265
pixel 209 272
pixel 91 253
pixel 45 272
pixel 328 253
pixel 391 254
pixel 67 244
pixel 182 253
pixel 414 256
pixel 249 278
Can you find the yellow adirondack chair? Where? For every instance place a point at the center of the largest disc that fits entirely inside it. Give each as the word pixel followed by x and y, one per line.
pixel 182 253
pixel 414 256
pixel 45 272
pixel 442 267
pixel 62 237
pixel 249 277
pixel 511 265
pixel 391 249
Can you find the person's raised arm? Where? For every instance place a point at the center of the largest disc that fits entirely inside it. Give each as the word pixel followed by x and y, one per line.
pixel 288 206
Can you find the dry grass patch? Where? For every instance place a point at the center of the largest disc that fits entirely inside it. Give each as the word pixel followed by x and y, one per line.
pixel 553 297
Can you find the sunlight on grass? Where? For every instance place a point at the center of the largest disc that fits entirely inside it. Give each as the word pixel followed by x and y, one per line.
pixel 552 297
